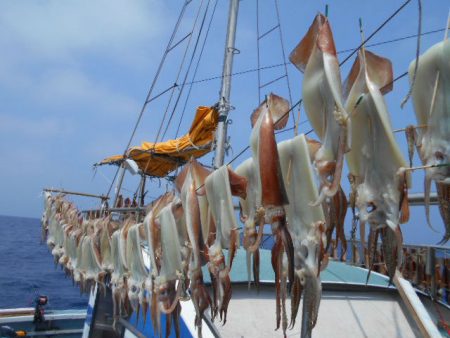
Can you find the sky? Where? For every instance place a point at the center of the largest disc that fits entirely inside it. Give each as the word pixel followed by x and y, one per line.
pixel 74 76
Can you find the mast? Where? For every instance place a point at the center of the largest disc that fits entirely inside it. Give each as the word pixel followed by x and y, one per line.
pixel 224 102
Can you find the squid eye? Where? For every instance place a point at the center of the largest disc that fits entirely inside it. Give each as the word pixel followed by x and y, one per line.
pixel 304 251
pixel 371 207
pixel 439 156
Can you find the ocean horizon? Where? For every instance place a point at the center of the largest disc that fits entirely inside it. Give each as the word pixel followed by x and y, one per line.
pixel 27 269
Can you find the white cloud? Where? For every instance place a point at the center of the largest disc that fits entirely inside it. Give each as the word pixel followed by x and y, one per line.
pixel 55 29
pixel 75 90
pixel 25 128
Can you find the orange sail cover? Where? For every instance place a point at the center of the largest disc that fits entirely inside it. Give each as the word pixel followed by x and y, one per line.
pixel 159 159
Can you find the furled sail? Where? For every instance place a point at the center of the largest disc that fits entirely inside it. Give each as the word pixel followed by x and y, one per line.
pixel 159 159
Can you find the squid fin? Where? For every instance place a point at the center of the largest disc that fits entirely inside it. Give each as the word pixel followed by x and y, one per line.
pixel 301 53
pixel 238 184
pixel 279 109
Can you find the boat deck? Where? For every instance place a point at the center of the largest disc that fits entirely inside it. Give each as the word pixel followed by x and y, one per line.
pixel 57 323
pixel 349 307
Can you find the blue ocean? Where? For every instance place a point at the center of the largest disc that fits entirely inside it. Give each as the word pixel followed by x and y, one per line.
pixel 27 269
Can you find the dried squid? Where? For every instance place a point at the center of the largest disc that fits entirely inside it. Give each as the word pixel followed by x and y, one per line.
pixel 137 270
pixel 189 198
pixel 306 224
pixel 218 186
pixel 315 56
pixel 152 227
pixel 251 216
pixel 431 98
pixel 375 161
pixel 270 115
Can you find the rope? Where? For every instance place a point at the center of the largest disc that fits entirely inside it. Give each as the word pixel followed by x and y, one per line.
pixel 258 37
pixel 375 31
pixel 308 132
pixel 257 51
pixel 158 72
pixel 291 128
pixel 419 3
pixel 268 67
pixel 252 70
pixel 284 57
pixel 182 86
pixel 196 68
pixel 179 73
pixel 281 117
pixel 188 69
pixel 395 40
pixel 180 16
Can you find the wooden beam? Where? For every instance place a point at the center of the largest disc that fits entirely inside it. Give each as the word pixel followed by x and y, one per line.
pixel 415 307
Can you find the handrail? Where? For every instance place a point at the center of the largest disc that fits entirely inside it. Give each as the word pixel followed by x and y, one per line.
pixel 62 191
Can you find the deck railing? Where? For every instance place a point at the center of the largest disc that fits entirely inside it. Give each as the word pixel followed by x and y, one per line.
pixel 427 267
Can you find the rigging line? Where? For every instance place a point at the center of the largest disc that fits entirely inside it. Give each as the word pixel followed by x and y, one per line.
pixel 291 128
pixel 397 78
pixel 413 81
pixel 112 182
pixel 175 30
pixel 178 74
pixel 252 70
pixel 279 119
pixel 375 31
pixel 196 67
pixel 295 105
pixel 257 51
pixel 186 3
pixel 162 93
pixel 200 31
pixel 284 57
pixel 394 40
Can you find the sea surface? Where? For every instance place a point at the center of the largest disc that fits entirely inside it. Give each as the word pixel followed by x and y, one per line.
pixel 27 269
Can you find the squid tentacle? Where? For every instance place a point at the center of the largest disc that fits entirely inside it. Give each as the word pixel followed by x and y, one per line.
pixel 330 189
pixel 256 244
pixel 175 301
pixel 297 290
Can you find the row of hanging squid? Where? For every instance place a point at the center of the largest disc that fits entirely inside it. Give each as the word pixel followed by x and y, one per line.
pixel 189 228
pixel 351 120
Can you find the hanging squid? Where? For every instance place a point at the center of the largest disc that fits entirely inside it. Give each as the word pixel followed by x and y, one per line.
pixel 45 219
pixel 270 115
pixel 375 161
pixel 54 219
pixel 89 265
pixel 152 227
pixel 431 98
pixel 72 235
pixel 334 208
pixel 190 201
pixel 315 56
pixel 306 225
pixel 251 216
pixel 137 270
pixel 68 217
pixel 120 275
pixel 118 278
pixel 170 281
pixel 220 186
